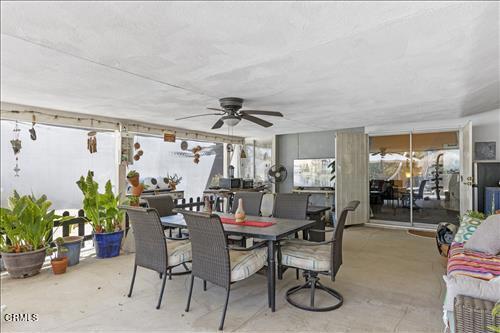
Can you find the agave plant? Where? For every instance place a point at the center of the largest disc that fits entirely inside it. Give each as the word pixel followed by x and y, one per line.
pixel 27 223
pixel 101 209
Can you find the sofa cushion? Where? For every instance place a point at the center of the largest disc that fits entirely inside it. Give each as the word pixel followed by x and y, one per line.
pixel 469 286
pixel 468 225
pixel 487 236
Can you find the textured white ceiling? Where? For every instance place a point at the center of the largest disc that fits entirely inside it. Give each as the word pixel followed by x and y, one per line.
pixel 324 65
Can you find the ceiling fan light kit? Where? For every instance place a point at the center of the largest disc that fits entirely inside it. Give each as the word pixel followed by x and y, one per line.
pixel 232 114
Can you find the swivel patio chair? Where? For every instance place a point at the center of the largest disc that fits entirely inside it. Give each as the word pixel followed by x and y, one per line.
pixel 317 258
pixel 214 261
pixel 152 250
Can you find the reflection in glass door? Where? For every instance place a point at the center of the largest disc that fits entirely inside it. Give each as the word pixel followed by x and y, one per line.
pixel 414 178
pixel 389 174
pixel 436 185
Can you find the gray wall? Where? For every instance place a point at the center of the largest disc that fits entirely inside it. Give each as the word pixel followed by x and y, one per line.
pixel 304 145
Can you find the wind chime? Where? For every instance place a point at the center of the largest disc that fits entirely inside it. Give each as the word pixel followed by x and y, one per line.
pixel 16 147
pixel 92 142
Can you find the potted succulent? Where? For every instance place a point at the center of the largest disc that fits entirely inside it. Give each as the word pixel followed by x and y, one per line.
pixel 173 181
pixel 58 259
pixel 27 224
pixel 133 179
pixel 101 209
pixel 134 201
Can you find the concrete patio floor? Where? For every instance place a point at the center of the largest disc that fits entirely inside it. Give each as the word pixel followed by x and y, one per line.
pixel 391 282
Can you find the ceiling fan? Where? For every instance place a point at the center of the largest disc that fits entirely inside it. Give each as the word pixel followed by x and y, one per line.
pixel 232 115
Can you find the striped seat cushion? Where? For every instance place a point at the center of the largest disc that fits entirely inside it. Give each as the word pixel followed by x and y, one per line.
pixel 246 263
pixel 312 258
pixel 178 252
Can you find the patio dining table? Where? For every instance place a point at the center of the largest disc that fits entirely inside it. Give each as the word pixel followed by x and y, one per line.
pixel 271 234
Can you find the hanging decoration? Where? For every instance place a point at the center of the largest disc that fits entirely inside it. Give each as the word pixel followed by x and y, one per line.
pixel 196 151
pixel 92 142
pixel 138 151
pixel 168 137
pixel 32 129
pixel 184 145
pixel 16 147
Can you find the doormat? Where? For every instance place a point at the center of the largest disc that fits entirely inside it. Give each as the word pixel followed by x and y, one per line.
pixel 423 233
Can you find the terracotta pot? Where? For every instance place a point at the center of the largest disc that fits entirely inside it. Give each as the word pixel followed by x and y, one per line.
pixel 24 264
pixel 137 190
pixel 134 181
pixel 59 265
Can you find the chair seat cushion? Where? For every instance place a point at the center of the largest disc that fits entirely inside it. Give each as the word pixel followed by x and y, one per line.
pixel 178 252
pixel 312 258
pixel 246 263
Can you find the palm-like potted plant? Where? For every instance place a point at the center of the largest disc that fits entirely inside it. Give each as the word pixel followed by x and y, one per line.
pixel 58 259
pixel 101 209
pixel 27 225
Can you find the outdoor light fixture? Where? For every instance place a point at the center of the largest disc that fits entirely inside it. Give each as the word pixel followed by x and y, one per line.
pixel 231 120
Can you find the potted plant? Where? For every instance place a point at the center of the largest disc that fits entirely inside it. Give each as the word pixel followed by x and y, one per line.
pixel 134 201
pixel 133 179
pixel 27 224
pixel 101 209
pixel 74 245
pixel 58 259
pixel 173 181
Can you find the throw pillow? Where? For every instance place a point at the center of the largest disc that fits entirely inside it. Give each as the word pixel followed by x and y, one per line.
pixel 487 237
pixel 468 226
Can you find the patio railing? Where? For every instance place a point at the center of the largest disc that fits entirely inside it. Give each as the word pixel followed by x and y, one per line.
pixel 80 221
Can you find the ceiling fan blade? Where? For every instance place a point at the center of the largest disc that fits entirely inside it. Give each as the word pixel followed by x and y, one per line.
pixel 215 109
pixel 218 124
pixel 262 112
pixel 256 120
pixel 201 115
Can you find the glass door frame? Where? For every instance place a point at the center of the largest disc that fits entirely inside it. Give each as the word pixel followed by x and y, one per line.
pixel 409 132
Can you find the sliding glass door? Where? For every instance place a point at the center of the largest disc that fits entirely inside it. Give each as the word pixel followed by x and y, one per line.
pixel 414 177
pixel 389 174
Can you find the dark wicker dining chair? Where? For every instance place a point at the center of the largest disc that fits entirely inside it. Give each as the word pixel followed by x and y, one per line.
pixel 290 206
pixel 251 206
pixel 152 250
pixel 317 258
pixel 164 204
pixel 251 202
pixel 214 261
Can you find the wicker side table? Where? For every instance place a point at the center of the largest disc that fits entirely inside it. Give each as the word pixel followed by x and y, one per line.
pixel 473 315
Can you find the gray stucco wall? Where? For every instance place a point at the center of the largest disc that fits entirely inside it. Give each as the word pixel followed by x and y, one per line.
pixel 304 145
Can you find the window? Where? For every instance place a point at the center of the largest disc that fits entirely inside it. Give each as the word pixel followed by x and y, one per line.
pixel 167 158
pixel 53 163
